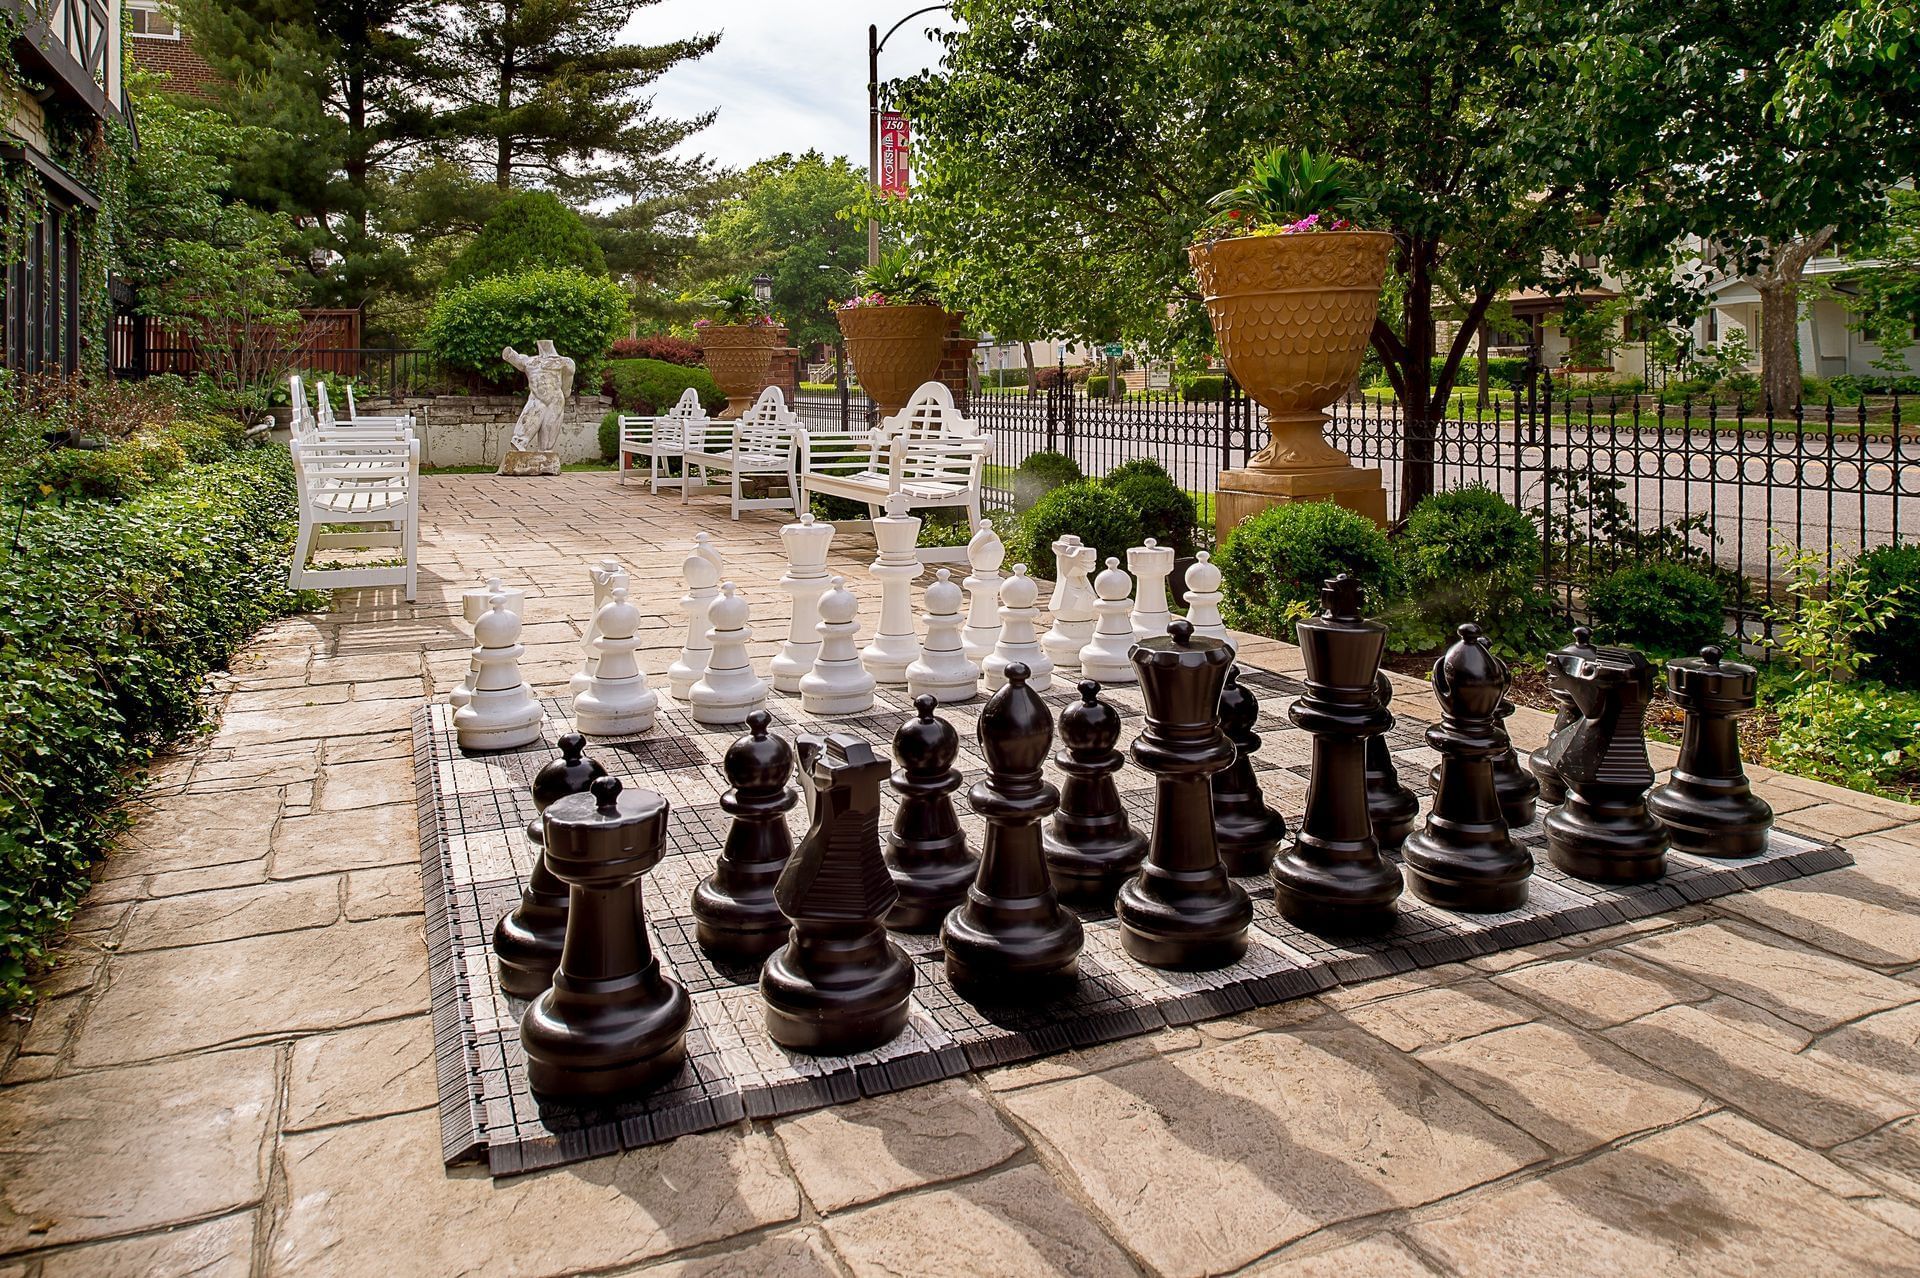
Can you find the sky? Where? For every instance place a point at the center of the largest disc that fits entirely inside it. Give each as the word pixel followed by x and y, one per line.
pixel 786 77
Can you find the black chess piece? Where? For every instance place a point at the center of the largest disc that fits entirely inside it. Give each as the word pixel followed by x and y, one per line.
pixel 1332 875
pixel 612 1021
pixel 1603 831
pixel 735 918
pixel 1465 859
pixel 1517 788
pixel 1248 830
pixel 1566 714
pixel 926 849
pixel 1392 806
pixel 839 984
pixel 1181 910
pixel 1091 846
pixel 1010 941
pixel 1707 805
pixel 527 939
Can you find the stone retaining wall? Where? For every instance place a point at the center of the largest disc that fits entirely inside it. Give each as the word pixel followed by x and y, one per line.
pixel 472 430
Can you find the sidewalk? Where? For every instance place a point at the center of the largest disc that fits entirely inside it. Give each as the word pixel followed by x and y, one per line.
pixel 233 1073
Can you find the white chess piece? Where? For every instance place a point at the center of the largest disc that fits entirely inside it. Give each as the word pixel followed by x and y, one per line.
pixel 728 691
pixel 605 575
pixel 502 713
pixel 942 670
pixel 895 646
pixel 473 606
pixel 985 554
pixel 1072 602
pixel 1150 565
pixel 703 546
pixel 838 683
pixel 1203 599
pixel 703 586
pixel 1105 656
pixel 805 580
pixel 1018 642
pixel 616 700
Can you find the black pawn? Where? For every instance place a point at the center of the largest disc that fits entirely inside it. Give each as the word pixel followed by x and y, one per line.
pixel 1248 830
pixel 612 1021
pixel 1465 859
pixel 527 940
pixel 1010 941
pixel 1603 832
pixel 1517 788
pixel 1181 910
pixel 1091 846
pixel 736 919
pixel 1707 805
pixel 839 984
pixel 1392 806
pixel 926 849
pixel 1332 875
pixel 1566 714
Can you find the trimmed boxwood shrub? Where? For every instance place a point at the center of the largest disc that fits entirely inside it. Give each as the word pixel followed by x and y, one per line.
pixel 1467 555
pixel 1097 386
pixel 649 386
pixel 1090 510
pixel 1669 609
pixel 530 230
pixel 579 313
pixel 1166 513
pixel 1040 474
pixel 1274 564
pixel 1203 388
pixel 115 615
pixel 1893 651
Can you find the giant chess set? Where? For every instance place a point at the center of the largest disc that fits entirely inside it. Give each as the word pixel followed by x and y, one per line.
pixel 970 842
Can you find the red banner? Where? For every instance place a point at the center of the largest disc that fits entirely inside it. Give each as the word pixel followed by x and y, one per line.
pixel 893 153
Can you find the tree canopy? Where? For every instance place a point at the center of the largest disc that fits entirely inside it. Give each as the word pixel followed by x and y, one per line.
pixel 792 220
pixel 529 229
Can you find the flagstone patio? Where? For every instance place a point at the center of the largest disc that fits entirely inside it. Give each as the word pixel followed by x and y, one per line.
pixel 232 1072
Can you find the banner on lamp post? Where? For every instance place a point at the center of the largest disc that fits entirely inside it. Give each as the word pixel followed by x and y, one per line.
pixel 893 153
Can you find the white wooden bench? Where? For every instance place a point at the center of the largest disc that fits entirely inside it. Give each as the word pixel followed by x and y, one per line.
pixel 355 419
pixel 927 451
pixel 368 492
pixel 660 440
pixel 307 423
pixel 757 445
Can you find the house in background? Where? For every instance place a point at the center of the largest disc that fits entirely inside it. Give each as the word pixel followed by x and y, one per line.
pixel 69 52
pixel 1829 346
pixel 161 47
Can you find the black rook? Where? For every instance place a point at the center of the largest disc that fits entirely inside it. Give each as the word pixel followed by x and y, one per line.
pixel 1707 804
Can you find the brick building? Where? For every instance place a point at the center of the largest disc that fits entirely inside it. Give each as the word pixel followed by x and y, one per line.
pixel 161 47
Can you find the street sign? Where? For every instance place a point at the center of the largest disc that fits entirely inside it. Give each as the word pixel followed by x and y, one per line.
pixel 1113 350
pixel 893 153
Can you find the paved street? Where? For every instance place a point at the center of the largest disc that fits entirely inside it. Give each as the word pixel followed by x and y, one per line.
pixel 232 1072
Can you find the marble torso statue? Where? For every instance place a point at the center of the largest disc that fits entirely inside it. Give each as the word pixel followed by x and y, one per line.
pixel 549 382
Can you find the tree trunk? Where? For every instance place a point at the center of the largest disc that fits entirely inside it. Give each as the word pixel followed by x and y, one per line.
pixel 1418 418
pixel 1481 356
pixel 1026 353
pixel 1779 288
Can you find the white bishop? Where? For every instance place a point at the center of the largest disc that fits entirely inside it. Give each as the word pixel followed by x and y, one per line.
pixel 985 554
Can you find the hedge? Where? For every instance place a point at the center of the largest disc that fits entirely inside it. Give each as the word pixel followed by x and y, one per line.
pixel 643 386
pixel 116 615
pixel 580 314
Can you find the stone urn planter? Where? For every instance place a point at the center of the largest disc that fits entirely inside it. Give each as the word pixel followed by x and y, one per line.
pixel 1292 314
pixel 894 349
pixel 738 356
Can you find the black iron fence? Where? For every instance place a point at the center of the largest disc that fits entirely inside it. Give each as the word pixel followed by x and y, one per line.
pixel 376 372
pixel 1608 481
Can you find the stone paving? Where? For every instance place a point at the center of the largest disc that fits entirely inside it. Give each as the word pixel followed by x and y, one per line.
pixel 232 1073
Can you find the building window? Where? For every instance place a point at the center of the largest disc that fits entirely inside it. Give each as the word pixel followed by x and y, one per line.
pixel 150 21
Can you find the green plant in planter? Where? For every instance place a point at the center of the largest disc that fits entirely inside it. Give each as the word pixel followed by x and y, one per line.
pixel 1090 510
pixel 1273 565
pixel 1467 555
pixel 1668 609
pixel 900 278
pixel 734 303
pixel 1892 575
pixel 1289 190
pixel 1040 474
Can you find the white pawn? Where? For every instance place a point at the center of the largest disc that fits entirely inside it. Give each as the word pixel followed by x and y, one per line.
pixel 729 690
pixel 605 575
pixel 805 580
pixel 616 700
pixel 942 670
pixel 473 606
pixel 1151 565
pixel 1105 656
pixel 1018 642
pixel 838 683
pixel 1203 599
pixel 1072 602
pixel 502 713
pixel 703 586
pixel 985 554
pixel 895 646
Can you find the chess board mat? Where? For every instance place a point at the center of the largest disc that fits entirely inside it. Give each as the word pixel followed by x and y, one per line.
pixel 475 807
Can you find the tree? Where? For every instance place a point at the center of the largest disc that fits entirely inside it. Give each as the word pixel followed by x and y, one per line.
pixel 1882 287
pixel 792 220
pixel 530 229
pixel 544 94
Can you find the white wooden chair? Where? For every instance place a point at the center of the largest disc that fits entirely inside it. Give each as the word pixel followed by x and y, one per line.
pixel 662 439
pixel 928 450
pixel 368 492
pixel 759 444
pixel 382 420
pixel 308 423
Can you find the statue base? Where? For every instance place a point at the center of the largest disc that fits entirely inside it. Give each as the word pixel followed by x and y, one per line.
pixel 1245 493
pixel 517 462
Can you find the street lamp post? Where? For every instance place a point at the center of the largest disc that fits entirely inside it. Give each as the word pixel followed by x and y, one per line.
pixel 762 288
pixel 875 43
